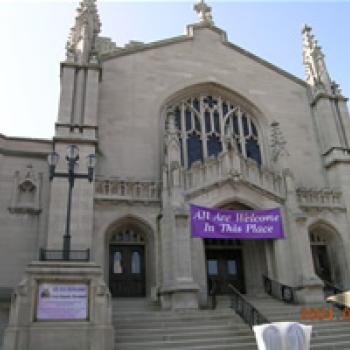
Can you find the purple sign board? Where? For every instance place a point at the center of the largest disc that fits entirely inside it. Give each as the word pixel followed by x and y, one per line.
pixel 240 224
pixel 62 301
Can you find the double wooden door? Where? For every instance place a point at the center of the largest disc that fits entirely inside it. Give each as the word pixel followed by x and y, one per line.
pixel 225 267
pixel 127 270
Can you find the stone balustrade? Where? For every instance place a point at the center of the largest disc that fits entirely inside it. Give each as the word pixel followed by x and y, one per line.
pixel 232 166
pixel 320 198
pixel 116 189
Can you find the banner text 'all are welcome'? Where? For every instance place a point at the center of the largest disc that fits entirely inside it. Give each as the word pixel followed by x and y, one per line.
pixel 240 224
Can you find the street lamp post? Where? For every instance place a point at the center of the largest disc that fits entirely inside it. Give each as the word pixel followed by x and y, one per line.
pixel 72 158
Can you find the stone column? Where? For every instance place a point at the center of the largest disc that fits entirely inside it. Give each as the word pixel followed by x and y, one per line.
pixel 310 285
pixel 178 291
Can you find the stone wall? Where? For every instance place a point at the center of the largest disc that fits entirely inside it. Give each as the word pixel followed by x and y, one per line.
pixel 23 204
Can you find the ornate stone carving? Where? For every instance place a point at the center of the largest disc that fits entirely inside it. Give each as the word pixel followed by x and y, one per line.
pixel 172 152
pixel 127 190
pixel 26 192
pixel 320 199
pixel 278 143
pixel 204 13
pixel 80 47
pixel 233 167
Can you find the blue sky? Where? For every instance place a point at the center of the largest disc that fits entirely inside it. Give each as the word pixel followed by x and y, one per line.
pixel 34 34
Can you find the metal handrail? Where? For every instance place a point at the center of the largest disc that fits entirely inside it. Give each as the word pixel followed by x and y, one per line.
pixel 280 291
pixel 334 288
pixel 61 255
pixel 245 309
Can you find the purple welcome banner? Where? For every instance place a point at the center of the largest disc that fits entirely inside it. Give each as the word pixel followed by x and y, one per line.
pixel 241 224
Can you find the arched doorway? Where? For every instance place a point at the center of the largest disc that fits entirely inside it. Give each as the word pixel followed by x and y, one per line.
pixel 321 255
pixel 241 263
pixel 328 254
pixel 127 269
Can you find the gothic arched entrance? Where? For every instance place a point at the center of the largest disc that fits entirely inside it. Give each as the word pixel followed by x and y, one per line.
pixel 241 263
pixel 320 256
pixel 327 250
pixel 127 263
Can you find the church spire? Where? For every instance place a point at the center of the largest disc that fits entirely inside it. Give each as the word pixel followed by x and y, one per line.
pixel 204 13
pixel 313 59
pixel 81 42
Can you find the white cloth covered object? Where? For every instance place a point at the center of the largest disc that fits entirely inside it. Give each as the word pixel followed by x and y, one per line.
pixel 283 336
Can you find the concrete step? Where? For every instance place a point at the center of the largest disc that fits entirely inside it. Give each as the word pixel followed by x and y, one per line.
pixel 166 336
pixel 169 344
pixel 184 329
pixel 169 317
pixel 326 335
pixel 173 315
pixel 178 323
pixel 234 346
pixel 137 329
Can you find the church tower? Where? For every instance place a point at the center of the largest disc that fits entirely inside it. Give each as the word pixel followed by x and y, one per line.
pixel 77 124
pixel 327 102
pixel 331 115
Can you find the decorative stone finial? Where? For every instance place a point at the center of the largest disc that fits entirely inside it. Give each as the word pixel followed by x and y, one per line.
pixel 204 13
pixel 313 58
pixel 80 47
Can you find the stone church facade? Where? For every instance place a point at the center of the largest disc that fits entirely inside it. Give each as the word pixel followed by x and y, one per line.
pixel 193 119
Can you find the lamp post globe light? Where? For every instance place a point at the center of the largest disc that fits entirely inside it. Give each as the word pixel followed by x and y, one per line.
pixel 72 158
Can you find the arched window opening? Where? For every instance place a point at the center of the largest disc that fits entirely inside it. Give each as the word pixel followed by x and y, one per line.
pixel 205 121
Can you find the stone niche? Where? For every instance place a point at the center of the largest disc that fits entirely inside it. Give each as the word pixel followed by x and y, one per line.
pixel 26 192
pixel 38 325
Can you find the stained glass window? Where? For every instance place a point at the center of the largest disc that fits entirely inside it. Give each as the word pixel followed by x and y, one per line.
pixel 194 147
pixel 205 121
pixel 214 145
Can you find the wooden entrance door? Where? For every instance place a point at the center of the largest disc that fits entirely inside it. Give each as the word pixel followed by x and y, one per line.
pixel 225 267
pixel 321 262
pixel 127 270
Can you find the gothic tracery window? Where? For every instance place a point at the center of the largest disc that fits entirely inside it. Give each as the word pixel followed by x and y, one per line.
pixel 205 121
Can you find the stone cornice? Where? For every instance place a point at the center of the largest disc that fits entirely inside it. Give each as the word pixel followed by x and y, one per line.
pixel 183 38
pixel 74 126
pixel 193 193
pixel 26 139
pixel 75 140
pixel 336 155
pixel 325 95
pixel 18 146
pixel 91 66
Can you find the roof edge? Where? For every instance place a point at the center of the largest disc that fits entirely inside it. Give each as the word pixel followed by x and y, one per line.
pixel 26 139
pixel 189 36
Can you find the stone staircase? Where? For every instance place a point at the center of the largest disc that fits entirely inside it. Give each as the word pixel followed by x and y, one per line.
pixel 139 326
pixel 327 334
